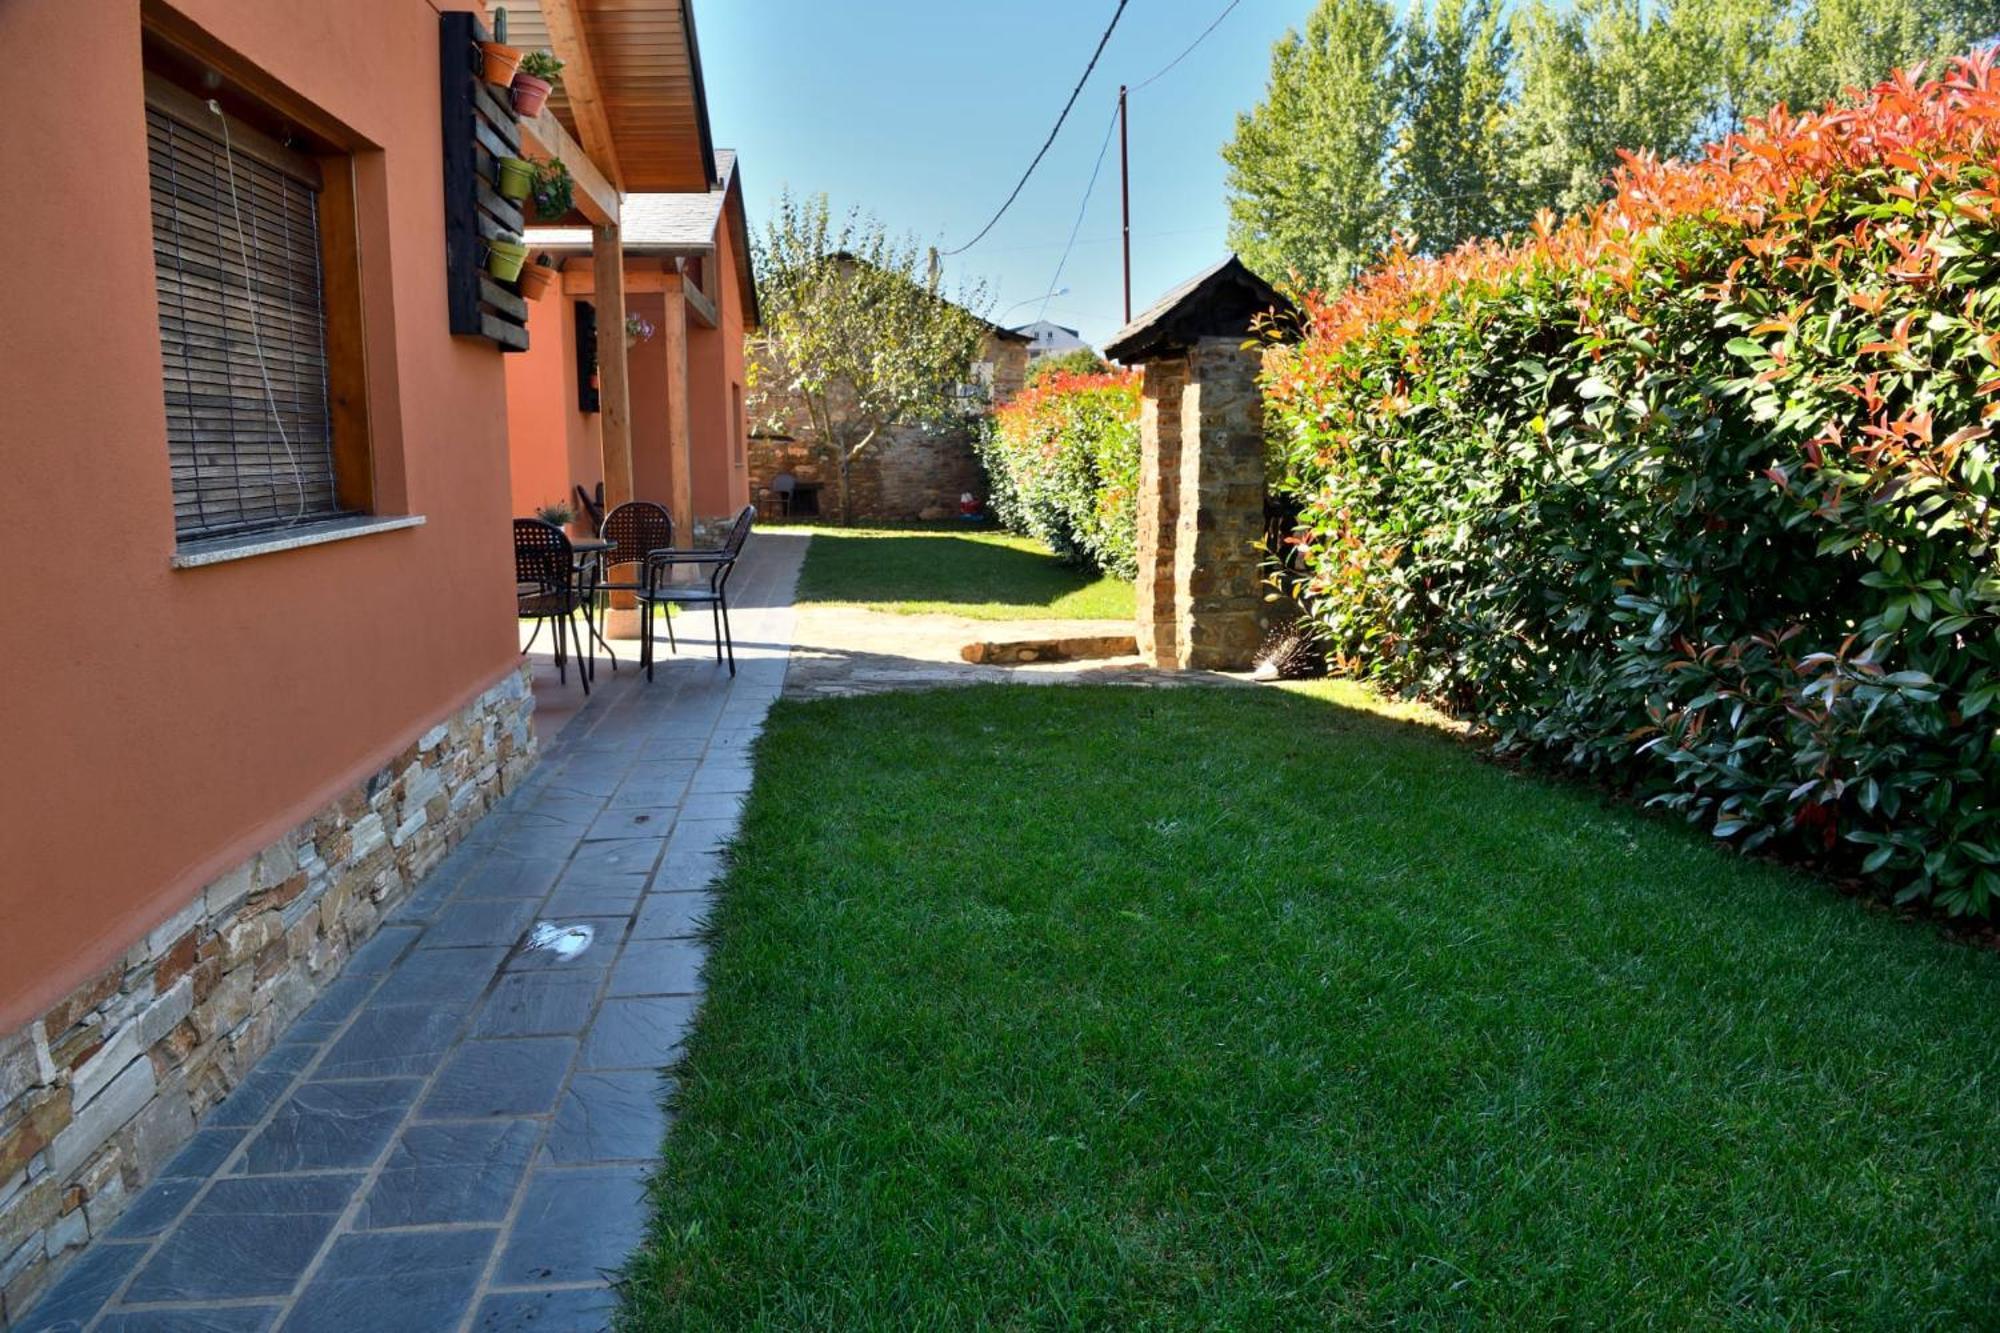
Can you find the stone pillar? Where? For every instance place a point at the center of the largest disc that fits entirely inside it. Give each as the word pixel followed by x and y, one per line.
pixel 1218 586
pixel 1159 508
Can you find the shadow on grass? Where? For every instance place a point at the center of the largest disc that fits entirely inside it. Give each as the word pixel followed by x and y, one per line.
pixel 949 569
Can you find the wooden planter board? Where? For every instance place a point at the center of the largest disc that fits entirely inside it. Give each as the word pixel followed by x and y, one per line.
pixel 480 128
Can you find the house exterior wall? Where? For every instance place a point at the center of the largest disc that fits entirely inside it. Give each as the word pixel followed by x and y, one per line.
pixel 911 474
pixel 167 726
pixel 552 445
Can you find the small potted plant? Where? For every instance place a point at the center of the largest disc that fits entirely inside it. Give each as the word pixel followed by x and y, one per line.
pixel 637 330
pixel 555 189
pixel 557 512
pixel 534 81
pixel 516 178
pixel 538 277
pixel 502 60
pixel 504 256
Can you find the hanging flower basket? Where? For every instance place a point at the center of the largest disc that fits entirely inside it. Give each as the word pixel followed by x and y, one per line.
pixel 517 177
pixel 637 330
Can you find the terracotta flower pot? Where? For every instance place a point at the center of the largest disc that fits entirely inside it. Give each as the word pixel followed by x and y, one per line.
pixel 517 177
pixel 504 259
pixel 501 62
pixel 529 94
pixel 536 280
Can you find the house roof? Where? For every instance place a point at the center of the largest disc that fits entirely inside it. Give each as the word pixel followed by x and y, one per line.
pixel 645 68
pixel 1220 301
pixel 675 224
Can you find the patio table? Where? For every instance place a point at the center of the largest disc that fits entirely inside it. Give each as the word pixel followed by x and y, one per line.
pixel 589 554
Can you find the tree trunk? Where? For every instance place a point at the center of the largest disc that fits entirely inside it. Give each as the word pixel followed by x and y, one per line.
pixel 846 504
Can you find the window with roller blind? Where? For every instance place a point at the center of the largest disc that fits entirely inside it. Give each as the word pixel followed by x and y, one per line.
pixel 240 266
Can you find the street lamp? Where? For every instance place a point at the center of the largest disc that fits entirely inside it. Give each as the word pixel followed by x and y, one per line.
pixel 1045 296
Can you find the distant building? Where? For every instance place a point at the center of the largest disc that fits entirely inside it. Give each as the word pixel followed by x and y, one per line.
pixel 1050 339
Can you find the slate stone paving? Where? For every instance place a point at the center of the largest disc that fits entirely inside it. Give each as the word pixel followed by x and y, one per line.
pixel 457 1134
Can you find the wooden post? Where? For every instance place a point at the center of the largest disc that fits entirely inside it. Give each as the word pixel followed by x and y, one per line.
pixel 614 383
pixel 680 452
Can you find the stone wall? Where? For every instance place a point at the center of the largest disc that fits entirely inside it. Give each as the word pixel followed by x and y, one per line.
pixel 911 474
pixel 1218 564
pixel 98 1093
pixel 1159 508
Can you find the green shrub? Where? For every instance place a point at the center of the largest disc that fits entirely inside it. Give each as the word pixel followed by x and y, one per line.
pixel 1695 493
pixel 1063 459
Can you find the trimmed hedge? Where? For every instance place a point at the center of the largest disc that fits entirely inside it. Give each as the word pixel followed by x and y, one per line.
pixel 1063 459
pixel 1695 493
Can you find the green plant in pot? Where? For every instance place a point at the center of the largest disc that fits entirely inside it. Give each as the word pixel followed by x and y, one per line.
pixel 558 512
pixel 502 60
pixel 515 178
pixel 555 189
pixel 505 254
pixel 534 81
pixel 538 277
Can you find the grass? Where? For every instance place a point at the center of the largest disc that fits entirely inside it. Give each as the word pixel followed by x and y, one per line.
pixel 983 574
pixel 1220 1009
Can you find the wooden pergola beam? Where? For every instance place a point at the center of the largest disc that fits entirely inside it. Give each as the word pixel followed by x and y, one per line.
pixel 580 83
pixel 596 197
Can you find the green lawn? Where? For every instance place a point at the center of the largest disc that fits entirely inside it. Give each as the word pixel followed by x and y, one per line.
pixel 981 573
pixel 1230 1009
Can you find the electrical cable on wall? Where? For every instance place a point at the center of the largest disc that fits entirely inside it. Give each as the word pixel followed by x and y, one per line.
pixel 1046 143
pixel 250 300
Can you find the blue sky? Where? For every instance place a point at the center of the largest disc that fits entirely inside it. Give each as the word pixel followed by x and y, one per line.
pixel 925 112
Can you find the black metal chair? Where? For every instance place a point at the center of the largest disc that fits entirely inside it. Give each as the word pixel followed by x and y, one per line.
pixel 635 529
pixel 547 591
pixel 713 593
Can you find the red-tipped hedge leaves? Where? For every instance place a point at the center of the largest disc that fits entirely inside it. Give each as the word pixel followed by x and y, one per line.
pixel 1696 492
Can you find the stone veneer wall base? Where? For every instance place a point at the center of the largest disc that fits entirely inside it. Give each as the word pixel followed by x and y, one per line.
pixel 101 1090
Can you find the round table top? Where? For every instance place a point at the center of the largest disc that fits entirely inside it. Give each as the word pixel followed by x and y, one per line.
pixel 589 544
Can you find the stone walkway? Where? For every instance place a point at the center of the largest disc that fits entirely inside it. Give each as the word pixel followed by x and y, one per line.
pixel 457 1135
pixel 847 650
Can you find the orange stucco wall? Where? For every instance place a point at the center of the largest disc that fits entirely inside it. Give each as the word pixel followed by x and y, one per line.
pixel 552 447
pixel 161 724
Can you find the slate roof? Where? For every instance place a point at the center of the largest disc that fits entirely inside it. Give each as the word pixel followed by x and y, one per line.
pixel 1219 301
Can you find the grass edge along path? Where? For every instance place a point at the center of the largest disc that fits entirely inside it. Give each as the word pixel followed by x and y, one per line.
pixel 1039 1007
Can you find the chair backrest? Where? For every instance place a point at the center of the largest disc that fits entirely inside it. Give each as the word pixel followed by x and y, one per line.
pixel 636 529
pixel 739 531
pixel 784 483
pixel 542 554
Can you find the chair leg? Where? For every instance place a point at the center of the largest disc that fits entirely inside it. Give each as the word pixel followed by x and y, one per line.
pixel 562 650
pixel 582 673
pixel 646 638
pixel 728 634
pixel 534 636
pixel 715 619
pixel 672 643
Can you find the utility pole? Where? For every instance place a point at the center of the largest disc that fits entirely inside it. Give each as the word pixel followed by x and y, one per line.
pixel 1125 199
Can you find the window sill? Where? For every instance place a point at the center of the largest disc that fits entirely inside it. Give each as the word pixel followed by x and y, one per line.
pixel 219 550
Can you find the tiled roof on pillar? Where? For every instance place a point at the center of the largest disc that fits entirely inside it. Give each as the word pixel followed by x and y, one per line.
pixel 1218 302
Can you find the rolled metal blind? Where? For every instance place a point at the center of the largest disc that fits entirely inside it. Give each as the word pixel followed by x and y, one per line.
pixel 234 471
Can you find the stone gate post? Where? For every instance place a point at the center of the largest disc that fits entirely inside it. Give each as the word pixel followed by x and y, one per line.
pixel 1201 470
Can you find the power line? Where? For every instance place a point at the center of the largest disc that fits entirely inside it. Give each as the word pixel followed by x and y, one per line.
pixel 1046 143
pixel 1161 73
pixel 1081 209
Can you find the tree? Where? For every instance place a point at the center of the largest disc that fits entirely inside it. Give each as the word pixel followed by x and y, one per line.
pixel 1452 165
pixel 1453 122
pixel 1308 196
pixel 857 331
pixel 1076 361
